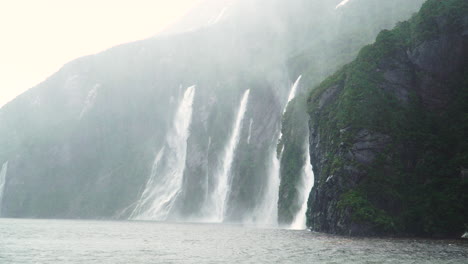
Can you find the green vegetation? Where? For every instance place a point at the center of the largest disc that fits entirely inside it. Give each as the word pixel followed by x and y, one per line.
pixel 415 185
pixel 325 52
pixel 293 159
pixel 363 210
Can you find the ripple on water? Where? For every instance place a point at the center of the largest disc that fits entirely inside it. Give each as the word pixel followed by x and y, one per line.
pixel 54 241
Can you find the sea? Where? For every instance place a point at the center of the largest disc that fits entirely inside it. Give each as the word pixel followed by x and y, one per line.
pixel 134 242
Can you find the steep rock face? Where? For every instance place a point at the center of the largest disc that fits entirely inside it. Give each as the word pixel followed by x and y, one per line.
pixel 388 132
pixel 82 143
pixel 295 134
pixel 355 27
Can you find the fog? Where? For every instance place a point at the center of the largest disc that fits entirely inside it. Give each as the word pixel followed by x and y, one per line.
pixel 84 143
pixel 225 131
pixel 39 37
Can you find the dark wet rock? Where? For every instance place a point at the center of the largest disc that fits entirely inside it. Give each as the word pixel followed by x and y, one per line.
pixel 366 166
pixel 328 95
pixel 441 56
pixel 367 145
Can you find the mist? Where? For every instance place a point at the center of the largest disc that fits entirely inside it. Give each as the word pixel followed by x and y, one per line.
pixel 226 118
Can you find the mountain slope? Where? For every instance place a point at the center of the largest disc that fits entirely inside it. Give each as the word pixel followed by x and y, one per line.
pixel 388 132
pixel 85 142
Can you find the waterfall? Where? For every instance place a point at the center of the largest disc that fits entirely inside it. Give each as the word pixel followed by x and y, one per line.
pixel 267 211
pixel 303 189
pixel 148 193
pixel 90 100
pixel 250 131
pixel 207 176
pixel 342 3
pixel 292 94
pixel 165 182
pixel 216 205
pixel 3 173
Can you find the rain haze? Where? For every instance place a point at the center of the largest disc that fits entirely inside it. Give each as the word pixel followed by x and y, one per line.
pixel 39 37
pixel 233 131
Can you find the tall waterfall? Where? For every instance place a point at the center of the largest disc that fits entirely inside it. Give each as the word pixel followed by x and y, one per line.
pixel 292 93
pixel 165 182
pixel 217 204
pixel 148 194
pixel 3 173
pixel 291 96
pixel 250 131
pixel 303 189
pixel 267 211
pixel 207 195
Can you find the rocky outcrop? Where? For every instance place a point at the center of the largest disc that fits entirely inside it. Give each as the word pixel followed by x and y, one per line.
pixel 314 64
pixel 387 137
pixel 82 143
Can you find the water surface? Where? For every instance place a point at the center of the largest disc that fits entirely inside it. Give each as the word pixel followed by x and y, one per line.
pixel 67 241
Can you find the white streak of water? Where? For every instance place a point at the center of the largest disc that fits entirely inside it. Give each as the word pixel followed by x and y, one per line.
pixel 250 131
pixel 218 18
pixel 267 211
pixel 165 182
pixel 303 189
pixel 342 3
pixel 217 204
pixel 292 94
pixel 3 174
pixel 88 104
pixel 207 179
pixel 147 194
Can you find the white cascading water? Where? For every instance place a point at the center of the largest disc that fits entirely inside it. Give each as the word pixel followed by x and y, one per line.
pixel 207 176
pixel 148 193
pixel 342 3
pixel 292 93
pixel 291 96
pixel 216 205
pixel 165 182
pixel 90 100
pixel 3 173
pixel 250 130
pixel 303 189
pixel 267 211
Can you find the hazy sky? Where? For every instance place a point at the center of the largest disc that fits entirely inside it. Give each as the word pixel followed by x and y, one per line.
pixel 37 37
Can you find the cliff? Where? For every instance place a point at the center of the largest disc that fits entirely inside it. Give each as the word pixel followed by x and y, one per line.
pixel 335 44
pixel 388 132
pixel 104 137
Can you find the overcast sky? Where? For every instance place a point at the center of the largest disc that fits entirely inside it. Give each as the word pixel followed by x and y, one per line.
pixel 37 37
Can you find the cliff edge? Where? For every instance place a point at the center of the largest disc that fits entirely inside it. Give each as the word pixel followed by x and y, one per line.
pixel 388 132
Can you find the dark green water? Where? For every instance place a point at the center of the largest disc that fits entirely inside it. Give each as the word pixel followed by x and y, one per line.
pixel 59 241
